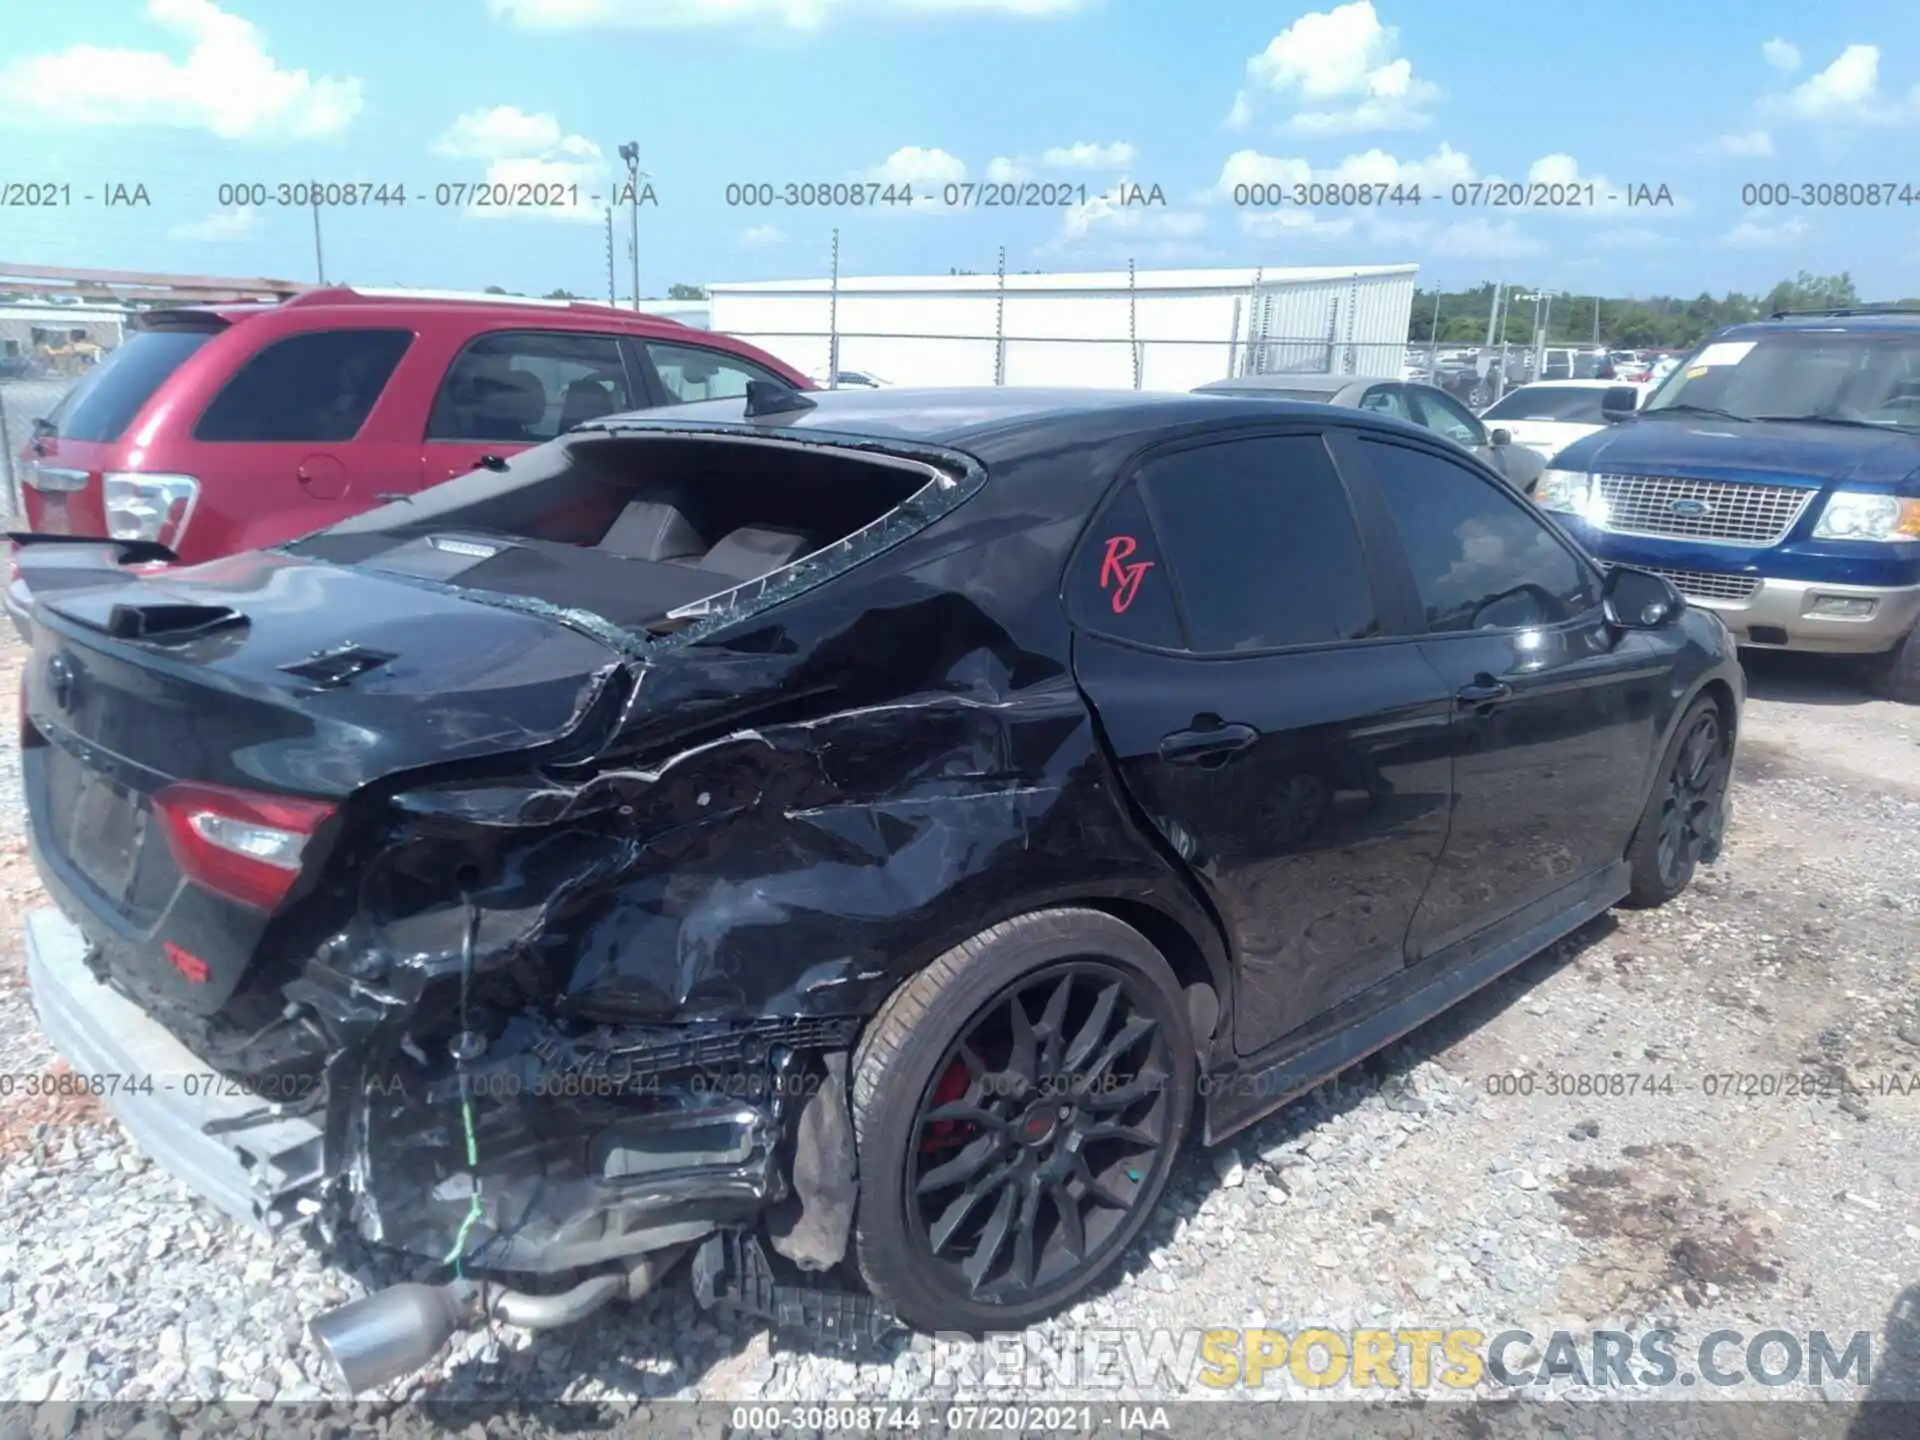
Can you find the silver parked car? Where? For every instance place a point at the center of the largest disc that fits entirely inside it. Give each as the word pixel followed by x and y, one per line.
pixel 1427 406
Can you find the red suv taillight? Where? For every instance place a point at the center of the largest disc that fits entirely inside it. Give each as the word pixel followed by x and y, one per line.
pixel 148 507
pixel 238 843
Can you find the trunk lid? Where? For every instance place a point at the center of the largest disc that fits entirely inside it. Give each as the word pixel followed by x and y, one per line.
pixel 269 678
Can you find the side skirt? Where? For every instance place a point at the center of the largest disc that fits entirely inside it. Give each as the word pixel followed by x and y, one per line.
pixel 1237 1097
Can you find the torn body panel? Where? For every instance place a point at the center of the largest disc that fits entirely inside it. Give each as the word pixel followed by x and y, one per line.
pixel 571 976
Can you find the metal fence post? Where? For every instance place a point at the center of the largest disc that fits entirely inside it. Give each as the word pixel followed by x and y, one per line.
pixel 1000 321
pixel 833 318
pixel 6 462
pixel 1133 323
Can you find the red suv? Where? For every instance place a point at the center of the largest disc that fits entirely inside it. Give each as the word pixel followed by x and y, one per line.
pixel 229 427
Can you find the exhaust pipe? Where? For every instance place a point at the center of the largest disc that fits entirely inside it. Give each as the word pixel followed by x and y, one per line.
pixel 391 1333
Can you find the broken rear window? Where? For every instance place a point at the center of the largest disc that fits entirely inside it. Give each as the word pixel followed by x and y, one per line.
pixel 656 532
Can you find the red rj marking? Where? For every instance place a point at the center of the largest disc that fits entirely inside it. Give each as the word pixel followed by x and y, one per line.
pixel 1125 579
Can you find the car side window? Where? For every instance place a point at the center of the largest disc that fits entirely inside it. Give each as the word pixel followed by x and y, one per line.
pixel 1480 558
pixel 1444 415
pixel 1387 400
pixel 1262 543
pixel 1119 585
pixel 525 386
pixel 314 387
pixel 688 373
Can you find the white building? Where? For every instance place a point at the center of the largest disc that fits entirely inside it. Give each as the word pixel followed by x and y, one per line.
pixel 1167 330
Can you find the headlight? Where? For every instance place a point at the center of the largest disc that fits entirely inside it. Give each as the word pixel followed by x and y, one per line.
pixel 1563 490
pixel 1862 515
pixel 150 507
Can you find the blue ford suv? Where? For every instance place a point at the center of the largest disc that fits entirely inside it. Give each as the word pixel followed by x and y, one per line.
pixel 1774 478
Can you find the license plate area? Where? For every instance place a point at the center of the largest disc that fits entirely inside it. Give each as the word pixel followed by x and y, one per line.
pixel 104 829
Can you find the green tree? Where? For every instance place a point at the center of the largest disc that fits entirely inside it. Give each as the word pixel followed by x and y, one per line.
pixel 496 290
pixel 686 292
pixel 562 294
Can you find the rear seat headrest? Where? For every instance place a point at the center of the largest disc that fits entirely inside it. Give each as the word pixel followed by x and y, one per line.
pixel 652 530
pixel 753 550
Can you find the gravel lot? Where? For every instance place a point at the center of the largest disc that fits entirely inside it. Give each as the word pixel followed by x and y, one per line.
pixel 1407 1194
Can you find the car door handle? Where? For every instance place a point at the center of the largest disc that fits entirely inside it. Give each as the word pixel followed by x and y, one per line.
pixel 1209 746
pixel 1485 690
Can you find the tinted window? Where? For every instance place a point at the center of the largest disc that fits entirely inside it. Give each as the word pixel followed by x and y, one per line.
pixel 524 387
pixel 1262 543
pixel 688 374
pixel 1442 414
pixel 112 392
pixel 313 387
pixel 1579 404
pixel 1119 586
pixel 1481 560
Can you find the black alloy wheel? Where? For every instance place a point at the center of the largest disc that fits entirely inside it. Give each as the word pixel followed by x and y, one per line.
pixel 1041 1135
pixel 1683 816
pixel 1693 785
pixel 1018 1105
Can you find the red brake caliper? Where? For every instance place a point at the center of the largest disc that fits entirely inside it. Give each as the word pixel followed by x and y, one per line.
pixel 943 1133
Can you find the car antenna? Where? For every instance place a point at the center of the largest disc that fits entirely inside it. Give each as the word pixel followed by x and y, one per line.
pixel 770 397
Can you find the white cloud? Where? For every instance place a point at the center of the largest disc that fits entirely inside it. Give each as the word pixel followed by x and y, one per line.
pixel 1104 218
pixel 1486 240
pixel 760 237
pixel 227 84
pixel 1753 235
pixel 1009 169
pixel 1295 225
pixel 1745 145
pixel 500 133
pixel 1086 156
pixel 241 223
pixel 793 14
pixel 1847 90
pixel 1781 54
pixel 1339 70
pixel 913 163
pixel 531 159
pixel 1445 167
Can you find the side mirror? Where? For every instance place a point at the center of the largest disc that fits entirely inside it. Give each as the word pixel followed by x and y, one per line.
pixel 1619 402
pixel 1640 600
pixel 1498 438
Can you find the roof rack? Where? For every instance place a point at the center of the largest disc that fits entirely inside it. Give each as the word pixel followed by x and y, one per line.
pixel 1845 310
pixel 348 294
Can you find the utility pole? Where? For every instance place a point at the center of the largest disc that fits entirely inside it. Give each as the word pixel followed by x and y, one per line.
pixel 612 297
pixel 1493 315
pixel 319 261
pixel 1596 320
pixel 630 152
pixel 1433 335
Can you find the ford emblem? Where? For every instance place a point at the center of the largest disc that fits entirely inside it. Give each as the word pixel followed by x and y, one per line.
pixel 1690 509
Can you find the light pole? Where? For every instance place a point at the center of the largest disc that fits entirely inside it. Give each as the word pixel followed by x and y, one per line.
pixel 630 152
pixel 319 261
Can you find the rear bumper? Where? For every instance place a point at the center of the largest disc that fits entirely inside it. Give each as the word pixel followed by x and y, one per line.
pixel 245 1155
pixel 577 1177
pixel 1812 615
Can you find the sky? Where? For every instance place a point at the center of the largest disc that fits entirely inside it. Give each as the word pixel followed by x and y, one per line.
pixel 1151 132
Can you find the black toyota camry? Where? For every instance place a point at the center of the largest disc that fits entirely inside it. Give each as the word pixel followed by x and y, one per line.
pixel 844 841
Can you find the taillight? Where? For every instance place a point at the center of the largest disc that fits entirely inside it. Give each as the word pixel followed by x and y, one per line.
pixel 149 507
pixel 237 843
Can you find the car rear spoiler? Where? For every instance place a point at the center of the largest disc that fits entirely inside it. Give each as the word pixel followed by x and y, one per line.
pixel 127 552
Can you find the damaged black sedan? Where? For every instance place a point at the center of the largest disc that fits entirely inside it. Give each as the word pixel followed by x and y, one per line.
pixel 845 839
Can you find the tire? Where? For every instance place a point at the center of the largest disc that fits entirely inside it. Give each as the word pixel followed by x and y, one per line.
pixel 1896 674
pixel 1684 810
pixel 1026 1150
